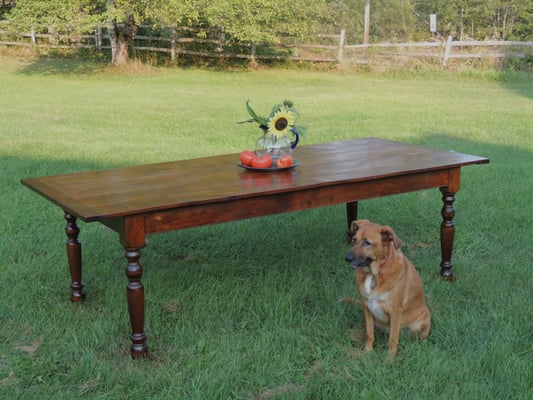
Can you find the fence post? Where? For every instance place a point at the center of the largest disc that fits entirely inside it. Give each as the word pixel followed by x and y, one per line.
pixel 252 55
pixel 173 43
pixel 98 38
pixel 295 51
pixel 341 45
pixel 447 50
pixel 221 42
pixel 32 34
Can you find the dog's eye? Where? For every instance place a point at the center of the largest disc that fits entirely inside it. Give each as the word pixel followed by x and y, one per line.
pixel 366 243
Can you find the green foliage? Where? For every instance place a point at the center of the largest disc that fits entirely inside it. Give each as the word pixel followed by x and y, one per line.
pixel 173 12
pixel 494 19
pixel 392 19
pixel 121 10
pixel 260 21
pixel 263 21
pixel 5 7
pixel 341 16
pixel 524 64
pixel 408 20
pixel 249 22
pixel 75 16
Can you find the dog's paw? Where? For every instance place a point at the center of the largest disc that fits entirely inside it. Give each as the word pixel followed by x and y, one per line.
pixel 390 357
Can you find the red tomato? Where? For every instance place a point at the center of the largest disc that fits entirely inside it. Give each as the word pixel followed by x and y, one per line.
pixel 247 157
pixel 284 161
pixel 265 161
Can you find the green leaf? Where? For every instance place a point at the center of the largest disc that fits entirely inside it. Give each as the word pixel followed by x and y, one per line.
pixel 275 109
pixel 255 117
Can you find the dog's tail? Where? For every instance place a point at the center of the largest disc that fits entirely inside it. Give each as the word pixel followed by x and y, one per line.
pixel 350 301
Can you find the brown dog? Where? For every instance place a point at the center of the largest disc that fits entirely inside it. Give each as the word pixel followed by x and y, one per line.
pixel 391 289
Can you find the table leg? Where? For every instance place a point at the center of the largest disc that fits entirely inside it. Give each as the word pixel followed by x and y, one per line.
pixel 447 231
pixel 351 212
pixel 135 295
pixel 74 258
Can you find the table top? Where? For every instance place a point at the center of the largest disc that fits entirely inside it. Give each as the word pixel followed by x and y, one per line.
pixel 97 195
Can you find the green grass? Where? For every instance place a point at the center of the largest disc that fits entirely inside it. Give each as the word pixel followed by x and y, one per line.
pixel 249 310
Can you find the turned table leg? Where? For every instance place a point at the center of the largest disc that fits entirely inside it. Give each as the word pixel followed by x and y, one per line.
pixel 447 231
pixel 132 238
pixel 74 258
pixel 135 295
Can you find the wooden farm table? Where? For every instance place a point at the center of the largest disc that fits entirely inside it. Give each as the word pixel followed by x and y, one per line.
pixel 141 200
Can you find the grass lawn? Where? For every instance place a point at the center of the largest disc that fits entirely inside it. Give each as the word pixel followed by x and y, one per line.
pixel 250 309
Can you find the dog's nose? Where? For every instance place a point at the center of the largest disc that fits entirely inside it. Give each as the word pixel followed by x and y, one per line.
pixel 349 257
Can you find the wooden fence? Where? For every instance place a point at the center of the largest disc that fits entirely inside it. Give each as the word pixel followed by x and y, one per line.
pixel 176 42
pixel 486 49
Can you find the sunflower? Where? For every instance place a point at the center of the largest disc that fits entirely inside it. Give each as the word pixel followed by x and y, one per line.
pixel 281 122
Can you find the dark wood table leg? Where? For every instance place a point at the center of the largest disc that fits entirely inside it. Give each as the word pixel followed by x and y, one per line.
pixel 447 231
pixel 351 212
pixel 74 258
pixel 135 295
pixel 132 238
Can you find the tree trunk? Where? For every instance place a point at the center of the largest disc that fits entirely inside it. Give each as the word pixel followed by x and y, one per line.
pixel 120 40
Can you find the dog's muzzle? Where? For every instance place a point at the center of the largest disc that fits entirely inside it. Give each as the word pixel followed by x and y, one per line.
pixel 357 263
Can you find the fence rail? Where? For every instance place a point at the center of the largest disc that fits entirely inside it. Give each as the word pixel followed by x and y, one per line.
pixel 178 41
pixel 513 49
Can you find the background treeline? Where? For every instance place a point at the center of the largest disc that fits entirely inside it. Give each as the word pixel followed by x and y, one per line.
pixel 267 21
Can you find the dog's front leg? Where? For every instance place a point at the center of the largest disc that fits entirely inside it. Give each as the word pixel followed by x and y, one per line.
pixel 369 325
pixel 394 335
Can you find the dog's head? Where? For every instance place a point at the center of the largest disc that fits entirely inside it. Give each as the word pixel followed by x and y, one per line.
pixel 371 243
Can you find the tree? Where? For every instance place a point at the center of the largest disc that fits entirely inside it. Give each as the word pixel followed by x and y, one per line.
pixel 122 18
pixel 508 19
pixel 494 19
pixel 258 21
pixel 73 16
pixel 5 6
pixel 125 16
pixel 343 16
pixel 263 21
pixel 251 21
pixel 394 20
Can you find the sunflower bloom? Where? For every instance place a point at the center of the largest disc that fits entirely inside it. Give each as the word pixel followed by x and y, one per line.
pixel 280 123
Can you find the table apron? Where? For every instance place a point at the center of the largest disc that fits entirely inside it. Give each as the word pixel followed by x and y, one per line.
pixel 274 203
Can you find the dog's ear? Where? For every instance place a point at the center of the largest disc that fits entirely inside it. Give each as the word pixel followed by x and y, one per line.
pixel 354 227
pixel 388 235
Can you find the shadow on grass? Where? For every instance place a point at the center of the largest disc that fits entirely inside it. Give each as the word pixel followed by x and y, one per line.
pixel 494 198
pixel 517 74
pixel 53 64
pixel 520 83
